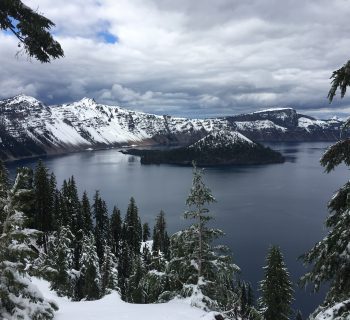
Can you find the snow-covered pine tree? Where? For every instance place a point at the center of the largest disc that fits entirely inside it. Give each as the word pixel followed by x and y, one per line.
pixel 42 219
pixel 59 263
pixel 4 187
pixel 116 231
pixel 90 270
pixel 109 272
pixel 101 232
pixel 160 236
pixel 145 232
pixel 199 269
pixel 276 288
pixel 86 214
pixel 124 267
pixel 330 258
pixel 19 298
pixel 134 290
pixel 132 227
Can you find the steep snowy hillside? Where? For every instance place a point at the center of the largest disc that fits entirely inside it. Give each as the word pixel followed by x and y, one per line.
pixel 111 307
pixel 285 124
pixel 28 127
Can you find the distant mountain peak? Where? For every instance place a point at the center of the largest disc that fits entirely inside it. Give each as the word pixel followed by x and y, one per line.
pixel 22 98
pixel 87 101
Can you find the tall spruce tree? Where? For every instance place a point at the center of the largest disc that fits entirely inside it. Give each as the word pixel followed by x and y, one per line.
pixel 4 187
pixel 330 258
pixel 145 232
pixel 86 214
pixel 19 299
pixel 160 236
pixel 116 231
pixel 276 288
pixel 132 227
pixel 199 269
pixel 90 276
pixel 43 219
pixel 101 226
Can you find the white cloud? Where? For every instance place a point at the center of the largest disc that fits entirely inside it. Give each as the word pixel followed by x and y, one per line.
pixel 187 57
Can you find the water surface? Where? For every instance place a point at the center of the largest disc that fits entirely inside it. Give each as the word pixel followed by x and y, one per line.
pixel 283 204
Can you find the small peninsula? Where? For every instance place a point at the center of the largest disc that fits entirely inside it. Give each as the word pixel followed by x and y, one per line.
pixel 218 148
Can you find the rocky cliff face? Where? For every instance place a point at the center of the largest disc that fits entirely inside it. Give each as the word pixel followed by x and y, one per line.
pixel 28 127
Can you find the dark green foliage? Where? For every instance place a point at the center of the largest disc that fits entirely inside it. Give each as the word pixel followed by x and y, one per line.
pixel 134 290
pixel 276 288
pixel 196 266
pixel 237 154
pixel 4 187
pixel 124 268
pixel 90 271
pixel 86 215
pixel 19 299
pixel 146 233
pixel 31 29
pixel 109 272
pixel 132 229
pixel 101 232
pixel 116 231
pixel 336 154
pixel 43 209
pixel 341 80
pixel 161 240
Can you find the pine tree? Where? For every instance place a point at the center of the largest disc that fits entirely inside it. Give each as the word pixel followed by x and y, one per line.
pixel 43 219
pixel 145 232
pixel 132 227
pixel 116 231
pixel 19 299
pixel 160 236
pixel 109 272
pixel 4 187
pixel 200 269
pixel 86 214
pixel 134 290
pixel 101 226
pixel 276 288
pixel 60 261
pixel 330 258
pixel 90 276
pixel 124 268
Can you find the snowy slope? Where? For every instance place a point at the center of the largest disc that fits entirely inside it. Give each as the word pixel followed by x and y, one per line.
pixel 111 307
pixel 29 127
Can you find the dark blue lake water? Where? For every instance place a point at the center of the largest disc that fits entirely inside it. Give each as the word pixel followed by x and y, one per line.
pixel 282 204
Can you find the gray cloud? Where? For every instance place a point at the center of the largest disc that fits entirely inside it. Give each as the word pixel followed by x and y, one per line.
pixel 188 57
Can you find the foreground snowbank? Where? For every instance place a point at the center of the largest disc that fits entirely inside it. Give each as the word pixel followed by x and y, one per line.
pixel 111 307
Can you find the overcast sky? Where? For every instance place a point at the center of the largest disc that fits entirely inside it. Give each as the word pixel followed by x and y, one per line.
pixel 188 57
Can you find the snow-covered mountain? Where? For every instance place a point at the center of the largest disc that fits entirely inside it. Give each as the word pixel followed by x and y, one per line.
pixel 28 127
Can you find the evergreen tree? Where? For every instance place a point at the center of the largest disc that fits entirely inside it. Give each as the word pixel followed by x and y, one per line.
pixel 101 226
pixel 134 290
pixel 4 187
pixel 116 231
pixel 19 299
pixel 31 29
pixel 160 236
pixel 132 227
pixel 60 261
pixel 90 276
pixel 86 214
pixel 145 232
pixel 276 288
pixel 124 268
pixel 109 272
pixel 42 219
pixel 330 257
pixel 198 268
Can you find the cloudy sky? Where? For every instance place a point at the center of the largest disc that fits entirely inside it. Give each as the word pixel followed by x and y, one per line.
pixel 188 57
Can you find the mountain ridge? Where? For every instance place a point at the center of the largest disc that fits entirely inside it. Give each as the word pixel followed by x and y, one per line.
pixel 29 128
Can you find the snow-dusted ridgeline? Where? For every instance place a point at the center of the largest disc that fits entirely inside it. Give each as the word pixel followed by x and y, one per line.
pixel 28 127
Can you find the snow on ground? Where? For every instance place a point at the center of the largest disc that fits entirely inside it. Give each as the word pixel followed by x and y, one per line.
pixel 111 307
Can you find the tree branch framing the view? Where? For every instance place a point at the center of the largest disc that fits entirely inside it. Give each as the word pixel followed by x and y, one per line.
pixel 31 29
